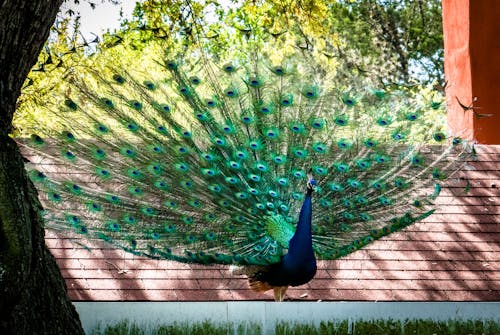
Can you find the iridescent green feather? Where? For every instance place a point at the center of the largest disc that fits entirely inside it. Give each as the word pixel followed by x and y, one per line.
pixel 208 162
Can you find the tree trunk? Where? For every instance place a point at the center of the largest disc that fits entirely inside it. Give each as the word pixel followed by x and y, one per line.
pixel 33 298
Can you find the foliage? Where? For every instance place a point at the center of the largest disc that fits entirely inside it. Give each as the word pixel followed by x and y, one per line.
pixel 334 36
pixel 339 327
pixel 177 328
pixel 386 39
pixel 405 34
pixel 381 40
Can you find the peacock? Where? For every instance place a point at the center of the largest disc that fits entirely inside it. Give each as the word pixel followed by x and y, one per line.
pixel 249 163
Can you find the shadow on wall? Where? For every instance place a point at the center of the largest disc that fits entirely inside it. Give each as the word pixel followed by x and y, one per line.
pixel 453 255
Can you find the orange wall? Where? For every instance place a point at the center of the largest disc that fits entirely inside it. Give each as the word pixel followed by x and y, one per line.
pixel 472 67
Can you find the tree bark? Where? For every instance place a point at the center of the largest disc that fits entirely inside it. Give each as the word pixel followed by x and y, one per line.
pixel 33 297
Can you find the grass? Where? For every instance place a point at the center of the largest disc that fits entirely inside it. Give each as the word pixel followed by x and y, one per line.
pixel 203 328
pixel 360 327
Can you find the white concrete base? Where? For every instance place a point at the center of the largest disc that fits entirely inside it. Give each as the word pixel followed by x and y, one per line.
pixel 268 313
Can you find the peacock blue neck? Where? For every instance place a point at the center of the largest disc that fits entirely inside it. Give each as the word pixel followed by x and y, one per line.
pixel 300 246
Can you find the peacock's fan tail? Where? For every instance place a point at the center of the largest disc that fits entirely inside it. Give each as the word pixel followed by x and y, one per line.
pixel 209 164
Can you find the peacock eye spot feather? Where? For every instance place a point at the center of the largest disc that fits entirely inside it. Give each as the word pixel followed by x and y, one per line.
pixel 255 82
pixel 71 104
pixel 229 68
pixel 439 137
pixel 435 104
pixel 149 85
pixel 369 143
pixel 195 80
pixel 37 139
pixel 279 70
pixel 118 78
pixel 271 134
pixel 171 65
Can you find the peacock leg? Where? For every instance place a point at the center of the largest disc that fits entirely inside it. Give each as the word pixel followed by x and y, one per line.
pixel 279 293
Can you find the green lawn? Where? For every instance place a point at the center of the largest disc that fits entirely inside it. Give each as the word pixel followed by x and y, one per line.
pixel 372 327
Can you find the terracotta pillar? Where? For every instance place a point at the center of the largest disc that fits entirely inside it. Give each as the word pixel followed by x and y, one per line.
pixel 472 68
